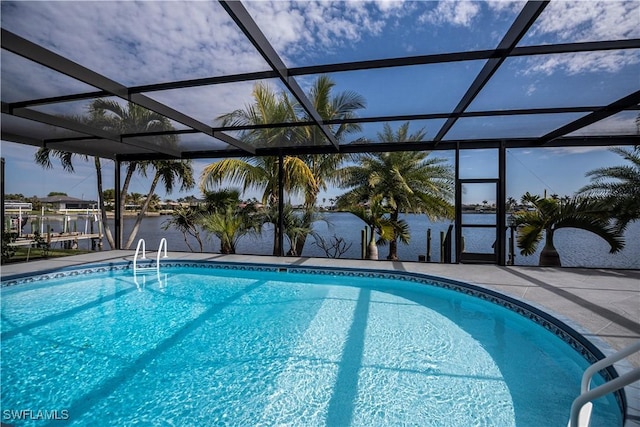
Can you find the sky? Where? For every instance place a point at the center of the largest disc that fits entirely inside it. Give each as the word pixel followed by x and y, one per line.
pixel 158 41
pixel 558 171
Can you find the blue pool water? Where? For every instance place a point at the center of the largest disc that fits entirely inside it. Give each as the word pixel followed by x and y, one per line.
pixel 246 347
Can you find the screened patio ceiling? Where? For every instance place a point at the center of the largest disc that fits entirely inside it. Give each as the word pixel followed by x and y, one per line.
pixel 472 75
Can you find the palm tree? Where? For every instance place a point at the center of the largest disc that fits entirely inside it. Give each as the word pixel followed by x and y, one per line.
pixel 261 173
pixel 551 215
pixel 130 118
pixel 342 106
pixel 187 220
pixel 44 154
pixel 219 200
pixel 324 167
pixel 408 181
pixel 618 186
pixel 296 227
pixel 167 171
pixel 227 226
pixel 154 202
pixel 268 107
pixel 134 199
pixel 119 119
pixel 228 221
pixel 373 214
pixel 109 196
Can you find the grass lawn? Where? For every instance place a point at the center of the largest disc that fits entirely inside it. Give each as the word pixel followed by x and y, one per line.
pixel 38 254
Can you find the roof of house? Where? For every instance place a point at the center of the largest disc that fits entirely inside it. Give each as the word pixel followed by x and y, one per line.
pixel 63 199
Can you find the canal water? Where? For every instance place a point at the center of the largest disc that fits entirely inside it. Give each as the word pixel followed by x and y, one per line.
pixel 577 248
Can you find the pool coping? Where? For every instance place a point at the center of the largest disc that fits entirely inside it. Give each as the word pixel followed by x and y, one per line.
pixel 560 326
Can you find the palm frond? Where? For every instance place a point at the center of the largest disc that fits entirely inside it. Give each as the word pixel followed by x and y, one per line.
pixel 528 238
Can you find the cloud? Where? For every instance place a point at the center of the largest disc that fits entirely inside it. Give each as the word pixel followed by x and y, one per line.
pixel 574 150
pixel 530 89
pixel 18 85
pixel 457 13
pixel 584 21
pixel 387 6
pixel 506 6
pixel 300 30
pixel 137 43
pixel 577 63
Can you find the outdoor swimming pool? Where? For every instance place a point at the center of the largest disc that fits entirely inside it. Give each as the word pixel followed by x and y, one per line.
pixel 237 344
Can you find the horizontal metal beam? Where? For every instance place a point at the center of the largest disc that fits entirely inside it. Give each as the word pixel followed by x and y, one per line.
pixel 21 139
pixel 40 55
pixel 99 151
pixel 222 136
pixel 206 81
pixel 73 125
pixel 438 58
pixel 59 99
pixel 554 49
pixel 95 149
pixel 189 121
pixel 90 131
pixel 520 143
pixel 596 116
pixel 428 116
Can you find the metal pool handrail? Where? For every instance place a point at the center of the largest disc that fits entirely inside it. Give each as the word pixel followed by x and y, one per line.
pixel 141 243
pixel 582 406
pixel 163 245
pixel 135 257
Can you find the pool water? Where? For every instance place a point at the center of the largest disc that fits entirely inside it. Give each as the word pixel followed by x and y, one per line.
pixel 209 346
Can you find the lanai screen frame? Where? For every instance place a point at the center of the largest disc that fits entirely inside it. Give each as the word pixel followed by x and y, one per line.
pixel 133 146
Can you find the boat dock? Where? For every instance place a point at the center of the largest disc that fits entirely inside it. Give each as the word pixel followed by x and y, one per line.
pixel 67 240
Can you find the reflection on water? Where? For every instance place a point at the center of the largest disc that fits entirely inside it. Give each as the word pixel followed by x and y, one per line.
pixel 577 248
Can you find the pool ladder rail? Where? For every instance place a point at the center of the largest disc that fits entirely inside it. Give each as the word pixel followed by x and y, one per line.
pixel 582 406
pixel 156 267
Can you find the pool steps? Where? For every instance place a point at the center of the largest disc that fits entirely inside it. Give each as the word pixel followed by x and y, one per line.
pixel 582 406
pixel 142 244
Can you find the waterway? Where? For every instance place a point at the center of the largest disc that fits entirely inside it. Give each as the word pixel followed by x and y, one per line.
pixel 577 248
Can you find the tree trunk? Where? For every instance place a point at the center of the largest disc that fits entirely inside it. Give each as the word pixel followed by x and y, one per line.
pixel 226 248
pixel 372 249
pixel 123 196
pixel 393 244
pixel 196 234
pixel 393 250
pixel 298 246
pixel 186 241
pixel 103 212
pixel 143 210
pixel 276 241
pixel 549 256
